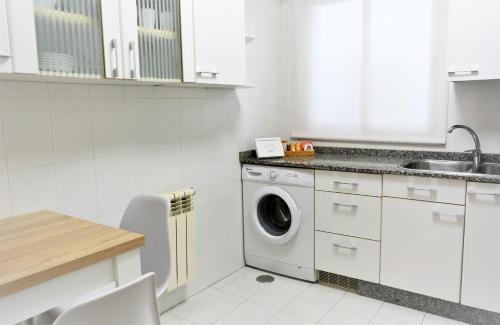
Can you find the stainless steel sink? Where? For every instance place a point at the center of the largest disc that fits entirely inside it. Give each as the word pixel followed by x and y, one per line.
pixel 453 166
pixel 489 168
pixel 441 165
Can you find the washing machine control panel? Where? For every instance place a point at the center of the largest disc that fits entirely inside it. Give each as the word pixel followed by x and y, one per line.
pixel 301 177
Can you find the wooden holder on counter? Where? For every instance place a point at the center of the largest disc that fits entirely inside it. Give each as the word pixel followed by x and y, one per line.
pixel 300 154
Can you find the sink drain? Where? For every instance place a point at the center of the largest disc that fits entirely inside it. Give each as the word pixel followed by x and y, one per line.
pixel 265 278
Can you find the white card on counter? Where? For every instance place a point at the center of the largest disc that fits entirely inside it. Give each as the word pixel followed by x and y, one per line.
pixel 269 147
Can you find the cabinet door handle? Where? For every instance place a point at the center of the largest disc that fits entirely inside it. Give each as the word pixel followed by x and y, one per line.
pixel 414 189
pixel 454 215
pixel 114 68
pixel 463 73
pixel 352 248
pixel 211 73
pixel 352 206
pixel 466 70
pixel 483 193
pixel 132 61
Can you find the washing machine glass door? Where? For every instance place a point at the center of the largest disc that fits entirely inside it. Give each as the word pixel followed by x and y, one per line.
pixel 275 215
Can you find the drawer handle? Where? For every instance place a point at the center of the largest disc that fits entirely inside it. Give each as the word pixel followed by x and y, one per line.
pixel 345 183
pixel 352 206
pixel 352 248
pixel 454 215
pixel 414 189
pixel 483 193
pixel 253 172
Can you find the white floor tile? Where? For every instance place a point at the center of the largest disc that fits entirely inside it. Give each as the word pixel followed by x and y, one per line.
pixel 279 293
pixel 393 314
pixel 208 309
pixel 248 313
pixel 230 278
pixel 288 301
pixel 437 320
pixel 245 286
pixel 352 309
pixel 286 318
pixel 169 319
pixel 314 302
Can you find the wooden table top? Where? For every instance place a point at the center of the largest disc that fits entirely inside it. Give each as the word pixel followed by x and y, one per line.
pixel 40 246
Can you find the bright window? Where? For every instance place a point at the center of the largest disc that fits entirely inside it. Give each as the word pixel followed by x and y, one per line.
pixel 369 70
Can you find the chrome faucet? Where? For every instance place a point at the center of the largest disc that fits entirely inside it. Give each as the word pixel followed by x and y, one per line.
pixel 476 153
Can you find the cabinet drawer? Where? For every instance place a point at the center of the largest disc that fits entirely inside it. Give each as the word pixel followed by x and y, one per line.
pixel 421 247
pixel 425 188
pixel 347 214
pixel 354 183
pixel 348 256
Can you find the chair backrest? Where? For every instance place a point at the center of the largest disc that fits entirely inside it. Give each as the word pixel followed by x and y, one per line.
pixel 132 303
pixel 147 214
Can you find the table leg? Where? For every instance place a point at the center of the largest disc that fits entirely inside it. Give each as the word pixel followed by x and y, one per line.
pixel 127 267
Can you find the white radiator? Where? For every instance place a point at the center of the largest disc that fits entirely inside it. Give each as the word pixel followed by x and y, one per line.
pixel 182 230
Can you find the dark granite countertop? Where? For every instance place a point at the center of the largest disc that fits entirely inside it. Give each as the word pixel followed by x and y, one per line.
pixel 375 161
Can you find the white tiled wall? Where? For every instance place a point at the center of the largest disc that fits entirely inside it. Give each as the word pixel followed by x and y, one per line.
pixel 86 150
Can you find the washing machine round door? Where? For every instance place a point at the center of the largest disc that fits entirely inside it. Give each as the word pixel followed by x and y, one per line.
pixel 275 215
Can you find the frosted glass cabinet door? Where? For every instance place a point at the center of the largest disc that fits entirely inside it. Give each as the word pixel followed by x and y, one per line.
pixel 69 37
pixel 159 40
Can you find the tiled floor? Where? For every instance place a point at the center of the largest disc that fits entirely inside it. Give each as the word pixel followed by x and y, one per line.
pixel 240 299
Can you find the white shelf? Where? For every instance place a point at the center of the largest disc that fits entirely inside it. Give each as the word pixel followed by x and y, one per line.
pixel 64 15
pixel 158 33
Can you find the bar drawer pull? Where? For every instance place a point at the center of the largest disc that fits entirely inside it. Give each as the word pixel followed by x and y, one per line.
pixel 345 183
pixel 352 248
pixel 483 193
pixel 352 206
pixel 415 189
pixel 455 215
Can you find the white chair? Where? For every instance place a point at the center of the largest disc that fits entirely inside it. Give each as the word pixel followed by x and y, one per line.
pixel 146 214
pixel 132 303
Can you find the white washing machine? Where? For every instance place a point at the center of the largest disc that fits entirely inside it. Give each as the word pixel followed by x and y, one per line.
pixel 278 218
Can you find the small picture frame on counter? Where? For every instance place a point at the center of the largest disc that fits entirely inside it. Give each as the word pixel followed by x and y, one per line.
pixel 269 148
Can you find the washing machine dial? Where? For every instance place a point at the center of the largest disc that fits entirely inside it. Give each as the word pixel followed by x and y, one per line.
pixel 273 175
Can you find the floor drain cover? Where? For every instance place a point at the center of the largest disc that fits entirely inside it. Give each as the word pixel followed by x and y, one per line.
pixel 265 278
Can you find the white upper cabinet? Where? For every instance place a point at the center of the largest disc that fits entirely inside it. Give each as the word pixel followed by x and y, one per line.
pixel 473 52
pixel 151 40
pixel 219 41
pixel 5 64
pixel 17 37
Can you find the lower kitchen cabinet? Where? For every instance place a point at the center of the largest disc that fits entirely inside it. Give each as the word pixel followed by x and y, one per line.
pixel 421 249
pixel 349 256
pixel 481 283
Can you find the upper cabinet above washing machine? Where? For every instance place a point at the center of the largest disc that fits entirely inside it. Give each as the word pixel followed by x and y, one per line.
pixel 473 29
pixel 219 42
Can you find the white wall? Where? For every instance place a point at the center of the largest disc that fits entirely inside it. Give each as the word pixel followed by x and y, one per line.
pixel 86 150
